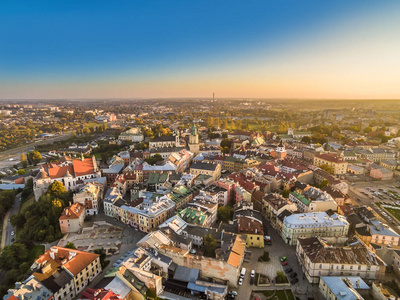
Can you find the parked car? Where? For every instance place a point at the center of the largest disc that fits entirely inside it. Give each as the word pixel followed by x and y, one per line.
pixel 295 280
pixel 283 258
pixel 284 263
pixel 232 293
pixel 293 275
pixel 288 270
pixel 240 281
pixel 12 233
pixel 252 274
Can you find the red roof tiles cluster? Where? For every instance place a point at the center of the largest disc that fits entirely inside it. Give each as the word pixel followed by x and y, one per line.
pixel 72 212
pixel 72 260
pixel 78 168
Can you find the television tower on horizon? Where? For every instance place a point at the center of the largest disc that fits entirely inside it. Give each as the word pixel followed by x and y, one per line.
pixel 213 97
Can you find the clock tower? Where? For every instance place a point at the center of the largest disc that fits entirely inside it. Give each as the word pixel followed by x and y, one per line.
pixel 194 141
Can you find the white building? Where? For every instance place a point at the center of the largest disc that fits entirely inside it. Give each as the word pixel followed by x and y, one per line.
pixel 112 196
pixel 67 171
pixel 89 195
pixel 313 224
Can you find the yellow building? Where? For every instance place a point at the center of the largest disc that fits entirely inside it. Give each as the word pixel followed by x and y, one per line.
pixel 338 166
pixel 253 228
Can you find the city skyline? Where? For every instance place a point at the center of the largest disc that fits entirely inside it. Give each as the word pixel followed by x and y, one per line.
pixel 261 49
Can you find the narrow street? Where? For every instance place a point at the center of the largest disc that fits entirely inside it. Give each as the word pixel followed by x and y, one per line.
pixel 302 289
pixel 8 229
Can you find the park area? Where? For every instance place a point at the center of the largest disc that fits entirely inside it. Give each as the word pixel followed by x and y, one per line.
pixel 395 212
pixel 273 295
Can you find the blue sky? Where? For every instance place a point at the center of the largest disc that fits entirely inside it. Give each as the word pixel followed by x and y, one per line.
pixel 144 49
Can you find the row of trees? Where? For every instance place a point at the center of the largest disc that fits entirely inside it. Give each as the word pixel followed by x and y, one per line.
pixel 93 129
pixel 33 158
pixel 7 199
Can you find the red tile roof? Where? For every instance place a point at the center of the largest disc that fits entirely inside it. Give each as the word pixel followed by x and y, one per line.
pixel 59 172
pixel 72 260
pixel 331 157
pixel 249 225
pixel 84 167
pixel 72 212
pixel 78 168
pixel 100 294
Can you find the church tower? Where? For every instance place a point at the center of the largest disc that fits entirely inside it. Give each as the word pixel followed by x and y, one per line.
pixel 280 151
pixel 194 141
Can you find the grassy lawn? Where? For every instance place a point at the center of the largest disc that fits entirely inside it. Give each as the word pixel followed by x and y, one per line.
pixel 97 155
pixel 394 212
pixel 268 293
pixel 281 294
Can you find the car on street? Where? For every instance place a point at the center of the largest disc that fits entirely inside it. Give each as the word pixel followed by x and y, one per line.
pixel 283 258
pixel 252 274
pixel 295 280
pixel 240 281
pixel 284 263
pixel 288 270
pixel 234 293
pixel 293 275
pixel 12 233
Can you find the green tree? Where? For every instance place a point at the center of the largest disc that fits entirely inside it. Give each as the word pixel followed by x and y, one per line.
pixel 285 193
pixel 154 159
pixel 225 150
pixel 13 256
pixel 70 245
pixel 210 245
pixel 265 256
pixel 23 160
pixel 226 143
pixel 21 172
pixel 34 157
pixel 367 129
pixel 56 189
pixel 280 277
pixel 323 183
pixel 306 139
pixel 326 168
pixel 224 213
pixel 103 256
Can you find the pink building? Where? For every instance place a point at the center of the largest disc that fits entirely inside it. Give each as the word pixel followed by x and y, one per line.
pixel 379 172
pixel 71 219
pixel 229 185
